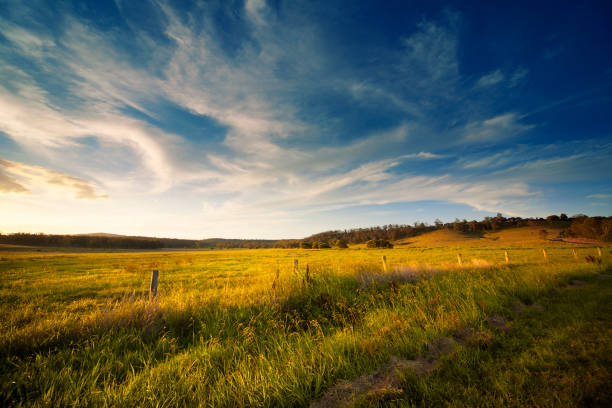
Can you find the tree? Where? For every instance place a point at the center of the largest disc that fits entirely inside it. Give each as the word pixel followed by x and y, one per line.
pixel 305 245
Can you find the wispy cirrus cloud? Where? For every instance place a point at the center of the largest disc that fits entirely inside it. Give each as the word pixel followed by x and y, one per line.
pixel 14 177
pixel 489 79
pixel 600 196
pixel 497 77
pixel 496 128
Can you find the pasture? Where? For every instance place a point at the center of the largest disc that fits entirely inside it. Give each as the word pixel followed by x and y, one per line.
pixel 245 328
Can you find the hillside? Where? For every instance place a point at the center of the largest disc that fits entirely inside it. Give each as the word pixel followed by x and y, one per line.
pixel 507 237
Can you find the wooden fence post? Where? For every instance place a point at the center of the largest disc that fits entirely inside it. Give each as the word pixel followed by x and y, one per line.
pixel 384 263
pixel 295 266
pixel 153 290
pixel 545 254
pixel 599 252
pixel 507 257
pixel 459 259
pixel 575 254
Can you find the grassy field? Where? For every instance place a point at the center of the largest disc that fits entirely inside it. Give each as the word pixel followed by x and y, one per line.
pixel 242 328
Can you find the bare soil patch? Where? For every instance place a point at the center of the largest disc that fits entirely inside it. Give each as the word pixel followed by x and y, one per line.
pixel 382 384
pixel 386 382
pixel 517 307
pixel 536 307
pixel 498 322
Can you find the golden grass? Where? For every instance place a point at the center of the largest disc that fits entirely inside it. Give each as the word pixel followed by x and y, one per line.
pixel 511 237
pixel 239 327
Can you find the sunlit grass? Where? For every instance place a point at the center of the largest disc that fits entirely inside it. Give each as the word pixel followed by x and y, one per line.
pixel 242 328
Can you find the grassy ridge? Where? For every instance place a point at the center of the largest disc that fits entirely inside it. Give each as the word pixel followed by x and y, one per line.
pixel 240 328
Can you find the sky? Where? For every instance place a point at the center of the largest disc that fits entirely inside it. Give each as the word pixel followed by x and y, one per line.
pixel 280 119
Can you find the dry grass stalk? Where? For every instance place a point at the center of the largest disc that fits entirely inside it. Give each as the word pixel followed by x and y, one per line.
pixel 481 263
pixel 399 274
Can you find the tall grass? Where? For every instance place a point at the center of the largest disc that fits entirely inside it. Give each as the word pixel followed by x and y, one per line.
pixel 240 328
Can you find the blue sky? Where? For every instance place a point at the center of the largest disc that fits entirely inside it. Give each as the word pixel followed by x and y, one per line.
pixel 279 119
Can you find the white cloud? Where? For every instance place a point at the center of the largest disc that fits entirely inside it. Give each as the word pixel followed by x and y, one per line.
pixel 517 77
pixel 429 63
pixel 593 163
pixel 10 184
pixel 36 178
pixel 496 128
pixel 255 10
pixel 497 77
pixel 485 161
pixel 600 196
pixel 490 79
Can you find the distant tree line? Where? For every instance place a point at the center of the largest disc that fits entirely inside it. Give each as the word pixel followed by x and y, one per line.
pixel 577 225
pixel 362 235
pixel 127 242
pixel 580 225
pixel 223 243
pixel 80 241
pixel 599 228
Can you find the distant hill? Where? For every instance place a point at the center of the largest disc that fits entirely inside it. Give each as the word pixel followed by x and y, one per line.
pixel 512 236
pixel 442 237
pixel 514 230
pixel 103 234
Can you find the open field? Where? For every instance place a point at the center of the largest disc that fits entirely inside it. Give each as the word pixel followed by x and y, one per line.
pixel 242 328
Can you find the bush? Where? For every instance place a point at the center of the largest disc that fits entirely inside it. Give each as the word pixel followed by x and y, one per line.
pixel 340 244
pixel 305 245
pixel 379 243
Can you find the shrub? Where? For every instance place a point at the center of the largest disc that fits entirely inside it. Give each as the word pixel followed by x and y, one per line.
pixel 305 245
pixel 379 243
pixel 340 244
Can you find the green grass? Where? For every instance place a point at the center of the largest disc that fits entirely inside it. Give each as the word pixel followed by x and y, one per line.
pixel 240 328
pixel 558 357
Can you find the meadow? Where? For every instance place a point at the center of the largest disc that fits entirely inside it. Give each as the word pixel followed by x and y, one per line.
pixel 245 328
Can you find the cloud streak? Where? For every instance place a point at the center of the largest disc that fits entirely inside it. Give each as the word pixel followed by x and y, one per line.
pixel 15 176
